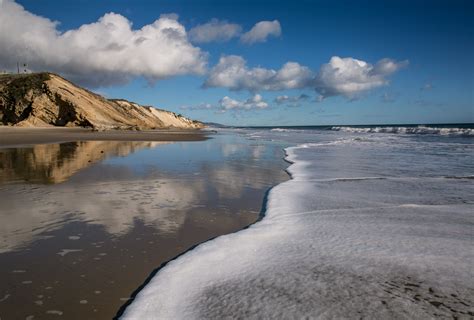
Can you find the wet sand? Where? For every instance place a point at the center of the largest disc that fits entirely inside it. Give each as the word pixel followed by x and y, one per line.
pixel 93 276
pixel 83 224
pixel 11 136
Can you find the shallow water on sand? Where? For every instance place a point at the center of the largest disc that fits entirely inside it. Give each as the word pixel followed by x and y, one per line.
pixel 83 224
pixel 372 225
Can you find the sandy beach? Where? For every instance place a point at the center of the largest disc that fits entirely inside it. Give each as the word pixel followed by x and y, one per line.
pixel 11 136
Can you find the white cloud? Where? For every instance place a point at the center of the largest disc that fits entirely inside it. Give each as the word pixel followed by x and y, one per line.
pixel 282 99
pixel 255 102
pixel 294 100
pixel 346 77
pixel 221 31
pixel 102 53
pixel 214 30
pixel 350 77
pixel 261 31
pixel 232 72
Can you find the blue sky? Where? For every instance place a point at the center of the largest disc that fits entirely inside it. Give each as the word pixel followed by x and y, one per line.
pixel 415 59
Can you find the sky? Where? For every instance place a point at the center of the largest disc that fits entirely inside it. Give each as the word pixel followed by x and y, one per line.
pixel 258 63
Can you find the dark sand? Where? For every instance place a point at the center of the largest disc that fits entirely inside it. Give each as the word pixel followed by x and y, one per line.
pixel 83 224
pixel 11 136
pixel 96 281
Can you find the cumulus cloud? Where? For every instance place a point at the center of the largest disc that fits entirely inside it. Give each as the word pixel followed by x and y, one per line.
pixel 347 77
pixel 232 72
pixel 255 102
pixel 350 77
pixel 214 30
pixel 261 31
pixel 287 99
pixel 102 53
pixel 221 31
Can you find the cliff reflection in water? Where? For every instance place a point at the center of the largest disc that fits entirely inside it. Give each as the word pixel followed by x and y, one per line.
pixel 115 184
pixel 55 163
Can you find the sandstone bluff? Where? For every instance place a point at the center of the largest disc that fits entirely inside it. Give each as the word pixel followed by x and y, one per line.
pixel 46 99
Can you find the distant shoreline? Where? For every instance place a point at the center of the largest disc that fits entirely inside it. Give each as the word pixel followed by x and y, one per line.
pixel 329 126
pixel 14 136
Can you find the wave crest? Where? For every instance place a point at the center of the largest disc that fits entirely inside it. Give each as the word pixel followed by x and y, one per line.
pixel 409 130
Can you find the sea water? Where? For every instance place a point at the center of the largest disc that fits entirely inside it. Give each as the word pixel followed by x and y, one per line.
pixel 376 222
pixel 83 223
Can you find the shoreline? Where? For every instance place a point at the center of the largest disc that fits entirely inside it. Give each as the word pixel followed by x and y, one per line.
pixel 115 223
pixel 16 136
pixel 352 208
pixel 121 311
pixel 262 214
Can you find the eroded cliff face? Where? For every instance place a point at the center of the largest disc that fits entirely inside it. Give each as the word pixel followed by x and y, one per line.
pixel 45 99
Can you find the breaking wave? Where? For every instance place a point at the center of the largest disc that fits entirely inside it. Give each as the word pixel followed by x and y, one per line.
pixel 409 130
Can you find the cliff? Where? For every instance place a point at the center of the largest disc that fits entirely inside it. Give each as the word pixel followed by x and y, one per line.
pixel 46 99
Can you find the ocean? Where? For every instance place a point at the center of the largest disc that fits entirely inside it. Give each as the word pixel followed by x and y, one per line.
pixel 376 222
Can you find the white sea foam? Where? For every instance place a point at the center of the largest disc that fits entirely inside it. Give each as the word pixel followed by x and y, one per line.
pixel 362 230
pixel 283 130
pixel 409 130
pixel 388 129
pixel 288 130
pixel 64 252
